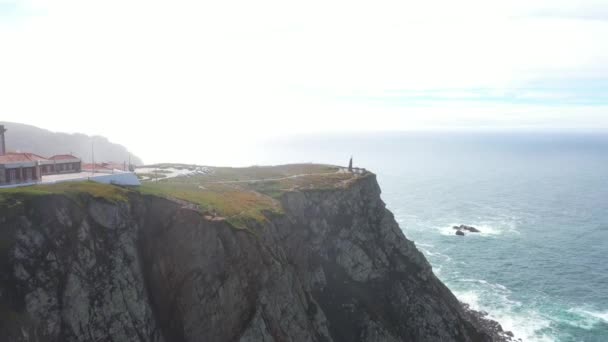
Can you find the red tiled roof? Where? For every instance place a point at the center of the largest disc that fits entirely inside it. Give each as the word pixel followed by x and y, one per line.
pixel 63 156
pixel 20 158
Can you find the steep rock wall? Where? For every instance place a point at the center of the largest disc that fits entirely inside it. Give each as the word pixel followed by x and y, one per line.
pixel 71 271
pixel 334 267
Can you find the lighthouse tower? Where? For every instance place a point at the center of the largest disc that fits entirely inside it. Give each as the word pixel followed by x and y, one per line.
pixel 2 141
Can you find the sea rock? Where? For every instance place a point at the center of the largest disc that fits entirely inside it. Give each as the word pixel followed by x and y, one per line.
pixel 460 233
pixel 467 228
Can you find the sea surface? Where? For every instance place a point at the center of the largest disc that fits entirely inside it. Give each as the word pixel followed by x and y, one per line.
pixel 540 264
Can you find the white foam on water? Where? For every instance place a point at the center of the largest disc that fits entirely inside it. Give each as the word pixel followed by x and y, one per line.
pixel 428 253
pixel 527 324
pixel 486 230
pixel 437 271
pixel 469 297
pixel 588 318
pixel 600 315
pixel 528 327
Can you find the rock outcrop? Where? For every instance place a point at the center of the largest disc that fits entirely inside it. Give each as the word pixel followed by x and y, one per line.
pixel 334 266
pixel 459 229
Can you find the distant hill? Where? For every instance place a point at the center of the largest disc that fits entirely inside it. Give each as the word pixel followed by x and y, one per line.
pixel 26 138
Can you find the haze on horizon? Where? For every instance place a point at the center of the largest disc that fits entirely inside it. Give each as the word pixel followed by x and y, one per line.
pixel 221 74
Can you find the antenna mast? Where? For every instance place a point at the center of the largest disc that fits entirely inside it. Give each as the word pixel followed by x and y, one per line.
pixel 93 155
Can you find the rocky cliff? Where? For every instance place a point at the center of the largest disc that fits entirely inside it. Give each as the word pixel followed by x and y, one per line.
pixel 332 266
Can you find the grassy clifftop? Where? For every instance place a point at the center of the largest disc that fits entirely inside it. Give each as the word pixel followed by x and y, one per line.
pixel 237 195
pixel 71 189
pixel 242 194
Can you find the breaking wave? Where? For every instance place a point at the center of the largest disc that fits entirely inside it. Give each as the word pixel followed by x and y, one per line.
pixel 524 323
pixel 587 318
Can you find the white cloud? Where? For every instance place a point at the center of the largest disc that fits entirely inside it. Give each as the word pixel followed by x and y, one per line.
pixel 237 69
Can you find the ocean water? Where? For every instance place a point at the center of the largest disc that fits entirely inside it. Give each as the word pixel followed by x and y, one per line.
pixel 540 264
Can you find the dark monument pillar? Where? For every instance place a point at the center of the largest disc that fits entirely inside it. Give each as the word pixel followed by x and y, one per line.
pixel 2 141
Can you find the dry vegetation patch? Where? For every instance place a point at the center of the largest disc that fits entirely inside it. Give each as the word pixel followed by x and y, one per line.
pixel 242 194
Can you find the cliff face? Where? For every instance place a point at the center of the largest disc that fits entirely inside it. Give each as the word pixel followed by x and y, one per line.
pixel 334 267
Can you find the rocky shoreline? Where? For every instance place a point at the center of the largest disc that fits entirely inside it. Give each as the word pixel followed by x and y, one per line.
pixel 481 319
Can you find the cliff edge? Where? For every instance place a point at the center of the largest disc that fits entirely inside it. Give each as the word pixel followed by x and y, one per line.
pixel 89 262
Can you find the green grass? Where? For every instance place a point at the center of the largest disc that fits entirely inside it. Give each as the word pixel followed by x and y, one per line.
pixel 244 194
pixel 238 206
pixel 266 172
pixel 258 189
pixel 222 174
pixel 72 189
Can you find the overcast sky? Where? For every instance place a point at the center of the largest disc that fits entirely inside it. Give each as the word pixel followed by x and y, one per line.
pixel 236 70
